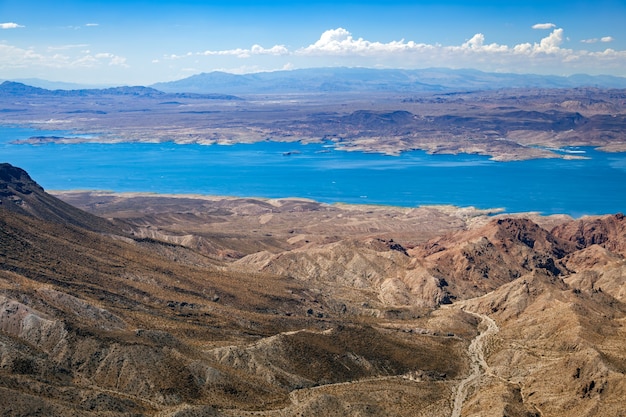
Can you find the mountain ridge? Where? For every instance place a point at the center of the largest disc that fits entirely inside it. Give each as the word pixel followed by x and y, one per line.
pixel 17 89
pixel 19 193
pixel 107 325
pixel 323 80
pixel 354 80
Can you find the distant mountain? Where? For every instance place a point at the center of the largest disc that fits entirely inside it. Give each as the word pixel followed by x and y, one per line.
pixel 345 80
pixel 224 86
pixel 56 85
pixel 319 80
pixel 11 88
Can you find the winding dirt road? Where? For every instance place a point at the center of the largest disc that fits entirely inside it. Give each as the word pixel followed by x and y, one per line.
pixel 479 365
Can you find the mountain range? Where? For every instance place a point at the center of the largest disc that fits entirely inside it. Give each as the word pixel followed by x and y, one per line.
pixel 163 306
pixel 354 80
pixel 16 89
pixel 325 81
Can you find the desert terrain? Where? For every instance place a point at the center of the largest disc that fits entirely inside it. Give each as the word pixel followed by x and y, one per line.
pixel 136 304
pixel 154 305
pixel 506 124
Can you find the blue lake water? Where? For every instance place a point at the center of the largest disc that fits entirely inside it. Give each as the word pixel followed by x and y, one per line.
pixel 576 187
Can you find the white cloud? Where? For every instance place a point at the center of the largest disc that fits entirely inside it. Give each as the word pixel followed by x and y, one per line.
pixel 10 25
pixel 544 26
pixel 339 47
pixel 92 24
pixel 118 61
pixel 12 57
pixel 341 42
pixel 548 45
pixel 67 47
pixel 110 59
pixel 275 50
pixel 605 39
pixel 477 44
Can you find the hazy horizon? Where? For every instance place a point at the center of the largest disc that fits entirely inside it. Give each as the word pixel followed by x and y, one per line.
pixel 142 43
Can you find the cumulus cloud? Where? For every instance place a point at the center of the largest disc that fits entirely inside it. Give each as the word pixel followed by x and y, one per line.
pixel 340 47
pixel 477 44
pixel 544 26
pixel 10 25
pixel 340 42
pixel 551 44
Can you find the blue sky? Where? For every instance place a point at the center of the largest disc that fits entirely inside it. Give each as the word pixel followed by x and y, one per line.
pixel 143 42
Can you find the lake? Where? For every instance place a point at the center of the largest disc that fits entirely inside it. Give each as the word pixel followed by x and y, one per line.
pixel 317 171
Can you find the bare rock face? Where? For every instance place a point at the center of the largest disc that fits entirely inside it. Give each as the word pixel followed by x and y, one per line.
pixel 31 326
pixel 596 269
pixel 477 261
pixel 97 317
pixel 607 231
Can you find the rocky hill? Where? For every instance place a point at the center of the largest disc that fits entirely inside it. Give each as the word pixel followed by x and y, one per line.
pixel 283 308
pixel 20 194
pixel 96 324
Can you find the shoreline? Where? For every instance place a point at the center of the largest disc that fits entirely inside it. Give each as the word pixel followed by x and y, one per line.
pixel 211 197
pixel 528 153
pixel 450 209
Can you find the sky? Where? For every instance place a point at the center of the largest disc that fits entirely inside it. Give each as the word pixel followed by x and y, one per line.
pixel 132 42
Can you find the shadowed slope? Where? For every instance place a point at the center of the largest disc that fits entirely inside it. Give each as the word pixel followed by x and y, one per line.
pixel 98 325
pixel 20 194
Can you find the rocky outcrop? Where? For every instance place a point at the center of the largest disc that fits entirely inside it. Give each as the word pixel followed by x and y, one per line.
pixel 31 326
pixel 479 260
pixel 606 231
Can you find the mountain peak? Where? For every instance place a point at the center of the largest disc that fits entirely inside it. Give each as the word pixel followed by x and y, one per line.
pixel 15 88
pixel 17 179
pixel 19 193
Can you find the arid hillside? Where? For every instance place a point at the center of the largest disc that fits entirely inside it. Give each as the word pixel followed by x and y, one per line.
pixel 170 306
